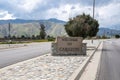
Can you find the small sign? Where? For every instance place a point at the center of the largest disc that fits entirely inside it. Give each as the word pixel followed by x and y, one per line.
pixel 69 44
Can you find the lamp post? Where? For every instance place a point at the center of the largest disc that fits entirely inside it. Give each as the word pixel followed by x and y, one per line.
pixel 93 8
pixel 93 12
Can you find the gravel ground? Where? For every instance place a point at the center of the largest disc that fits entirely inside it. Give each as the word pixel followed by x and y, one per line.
pixel 45 67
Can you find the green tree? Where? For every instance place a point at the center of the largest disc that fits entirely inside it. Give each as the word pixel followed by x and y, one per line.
pixel 13 37
pixel 42 31
pixel 82 26
pixel 117 36
pixel 33 36
pixel 22 37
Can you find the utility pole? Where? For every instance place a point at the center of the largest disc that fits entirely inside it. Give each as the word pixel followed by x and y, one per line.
pixel 9 36
pixel 93 9
pixel 93 12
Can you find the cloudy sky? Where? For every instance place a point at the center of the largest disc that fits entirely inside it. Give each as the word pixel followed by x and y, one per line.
pixel 107 12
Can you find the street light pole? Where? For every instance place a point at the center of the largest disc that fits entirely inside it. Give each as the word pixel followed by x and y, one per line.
pixel 93 8
pixel 93 12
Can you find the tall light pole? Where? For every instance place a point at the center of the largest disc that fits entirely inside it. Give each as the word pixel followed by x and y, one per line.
pixel 93 8
pixel 93 12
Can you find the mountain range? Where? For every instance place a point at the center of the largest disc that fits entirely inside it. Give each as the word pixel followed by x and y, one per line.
pixel 21 21
pixel 108 32
pixel 53 27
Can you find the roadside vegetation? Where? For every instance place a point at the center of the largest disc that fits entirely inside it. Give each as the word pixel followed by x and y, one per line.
pixel 82 26
pixel 41 37
pixel 21 41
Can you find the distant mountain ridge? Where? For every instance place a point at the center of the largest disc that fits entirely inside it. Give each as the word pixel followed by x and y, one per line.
pixel 108 32
pixel 56 20
pixel 17 21
pixel 116 27
pixel 53 27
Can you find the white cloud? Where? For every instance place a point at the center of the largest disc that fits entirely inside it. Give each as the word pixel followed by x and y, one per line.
pixel 4 15
pixel 58 12
pixel 109 15
pixel 70 11
pixel 29 5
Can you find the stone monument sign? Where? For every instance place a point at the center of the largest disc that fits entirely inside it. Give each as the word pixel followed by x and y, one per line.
pixel 68 46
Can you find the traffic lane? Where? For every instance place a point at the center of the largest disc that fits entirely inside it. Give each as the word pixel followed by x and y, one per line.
pixel 11 56
pixel 110 61
pixel 12 59
pixel 13 51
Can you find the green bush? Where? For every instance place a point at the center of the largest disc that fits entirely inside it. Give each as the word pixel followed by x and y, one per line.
pixel 117 36
pixel 82 26
pixel 51 39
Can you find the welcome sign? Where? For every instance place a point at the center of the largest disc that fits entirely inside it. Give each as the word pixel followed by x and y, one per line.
pixel 69 45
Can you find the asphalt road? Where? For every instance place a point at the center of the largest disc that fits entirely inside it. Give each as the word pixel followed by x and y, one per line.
pixel 109 68
pixel 14 55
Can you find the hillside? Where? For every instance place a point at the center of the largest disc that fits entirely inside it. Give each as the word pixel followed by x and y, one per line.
pixel 53 27
pixel 27 28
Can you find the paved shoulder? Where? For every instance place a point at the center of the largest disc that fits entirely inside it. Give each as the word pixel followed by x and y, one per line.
pixel 110 61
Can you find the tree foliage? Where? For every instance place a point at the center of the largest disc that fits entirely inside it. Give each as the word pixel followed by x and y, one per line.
pixel 82 26
pixel 117 36
pixel 42 31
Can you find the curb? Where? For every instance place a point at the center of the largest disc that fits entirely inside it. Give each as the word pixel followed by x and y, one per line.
pixel 7 48
pixel 78 72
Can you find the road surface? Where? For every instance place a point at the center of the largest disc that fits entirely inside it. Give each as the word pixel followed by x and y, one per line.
pixel 14 55
pixel 109 68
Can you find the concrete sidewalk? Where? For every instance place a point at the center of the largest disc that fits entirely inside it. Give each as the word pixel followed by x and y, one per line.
pixel 90 72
